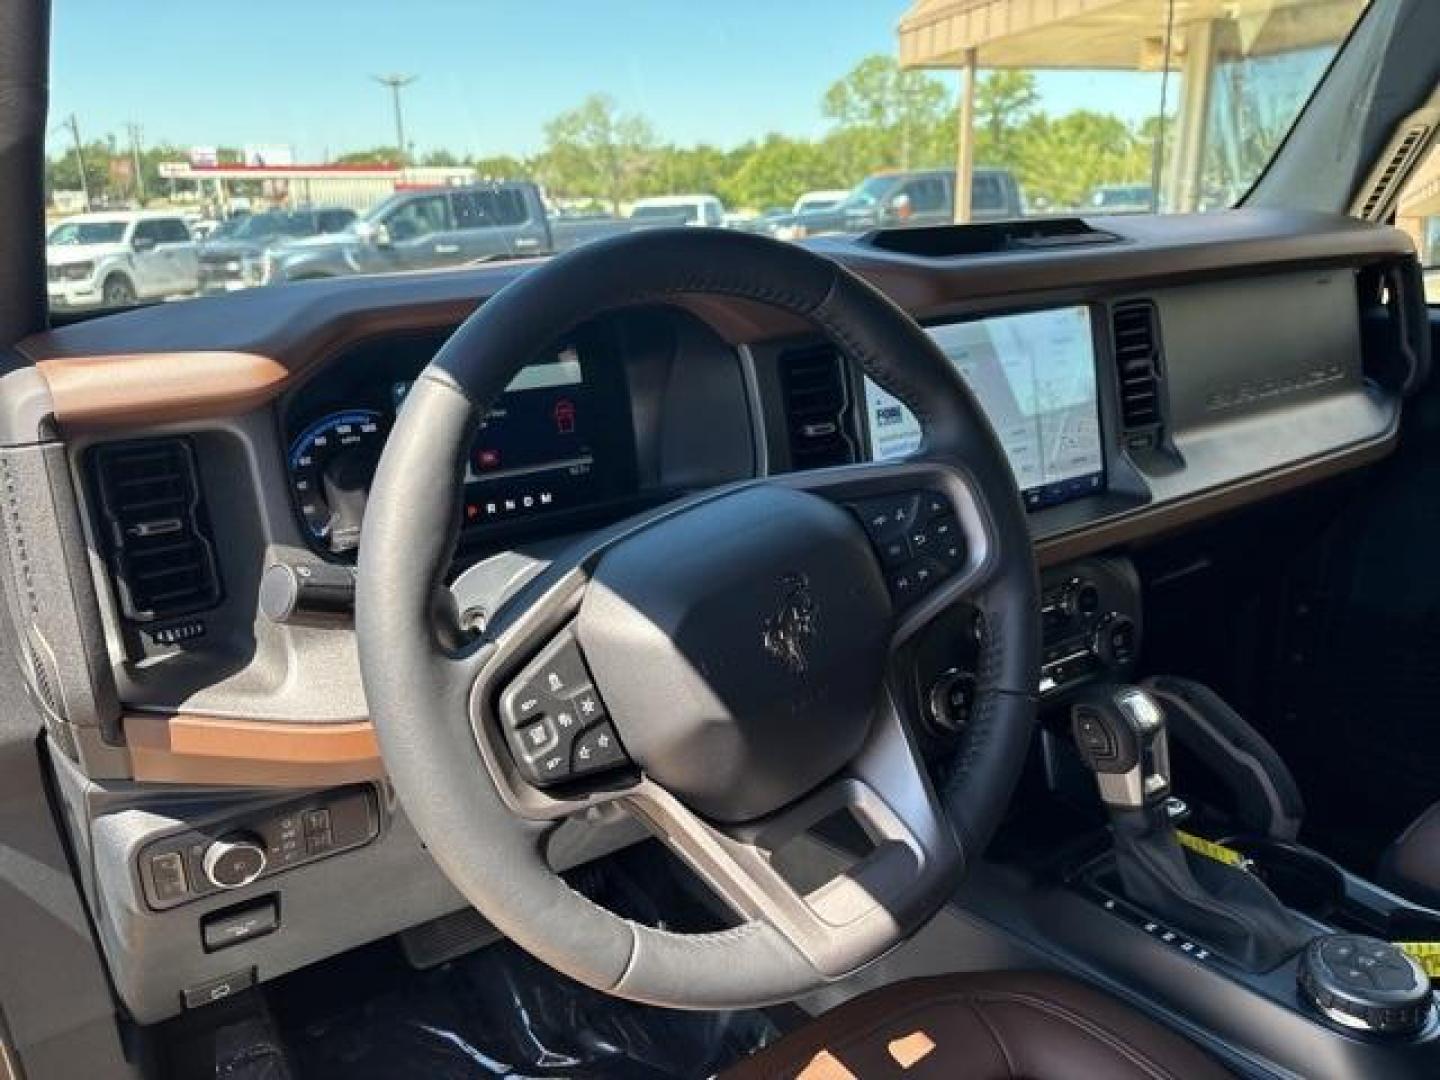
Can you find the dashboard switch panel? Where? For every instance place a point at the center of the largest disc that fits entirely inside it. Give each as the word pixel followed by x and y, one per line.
pixel 240 850
pixel 1091 621
pixel 555 721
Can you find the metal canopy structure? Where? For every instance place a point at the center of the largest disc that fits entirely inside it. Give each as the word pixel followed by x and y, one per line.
pixel 1115 35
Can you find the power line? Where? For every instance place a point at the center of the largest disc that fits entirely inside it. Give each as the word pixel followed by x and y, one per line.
pixel 396 83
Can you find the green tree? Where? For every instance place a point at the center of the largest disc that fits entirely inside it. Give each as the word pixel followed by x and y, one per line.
pixel 598 151
pixel 778 170
pixel 376 155
pixel 885 117
pixel 1062 159
pixel 62 170
pixel 440 158
pixel 1004 102
pixel 500 167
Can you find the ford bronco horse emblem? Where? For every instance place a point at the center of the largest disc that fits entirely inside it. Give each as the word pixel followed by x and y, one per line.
pixel 793 625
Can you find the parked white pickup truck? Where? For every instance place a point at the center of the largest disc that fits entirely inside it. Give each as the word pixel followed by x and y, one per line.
pixel 111 260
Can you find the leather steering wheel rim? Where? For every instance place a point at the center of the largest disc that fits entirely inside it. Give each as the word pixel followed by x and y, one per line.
pixel 420 680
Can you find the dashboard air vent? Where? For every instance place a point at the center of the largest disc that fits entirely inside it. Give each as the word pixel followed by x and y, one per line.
pixel 816 393
pixel 1135 329
pixel 156 529
pixel 1383 185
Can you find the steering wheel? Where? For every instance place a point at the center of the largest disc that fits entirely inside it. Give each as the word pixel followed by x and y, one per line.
pixel 717 667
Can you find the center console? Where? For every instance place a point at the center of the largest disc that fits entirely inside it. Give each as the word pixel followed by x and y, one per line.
pixel 1276 958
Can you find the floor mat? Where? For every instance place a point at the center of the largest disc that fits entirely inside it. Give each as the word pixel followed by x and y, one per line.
pixel 499 1012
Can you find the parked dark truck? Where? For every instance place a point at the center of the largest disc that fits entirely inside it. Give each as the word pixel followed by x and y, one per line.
pixel 893 200
pixel 234 256
pixel 434 228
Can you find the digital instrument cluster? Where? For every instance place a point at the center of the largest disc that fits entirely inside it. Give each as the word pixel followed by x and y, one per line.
pixel 558 439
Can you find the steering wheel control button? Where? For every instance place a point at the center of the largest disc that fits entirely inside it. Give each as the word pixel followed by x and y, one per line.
pixel 562 671
pixel 596 749
pixel 887 516
pixel 917 536
pixel 555 720
pixel 234 861
pixel 1366 984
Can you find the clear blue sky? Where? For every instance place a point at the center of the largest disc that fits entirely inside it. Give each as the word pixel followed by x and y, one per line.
pixel 201 72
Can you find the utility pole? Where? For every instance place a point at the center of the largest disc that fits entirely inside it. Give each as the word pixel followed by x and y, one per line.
pixel 396 83
pixel 74 125
pixel 135 132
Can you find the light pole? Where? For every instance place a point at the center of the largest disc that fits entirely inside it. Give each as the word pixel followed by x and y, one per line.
pixel 74 125
pixel 396 83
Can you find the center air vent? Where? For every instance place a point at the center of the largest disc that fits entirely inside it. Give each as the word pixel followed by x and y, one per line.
pixel 817 407
pixel 156 529
pixel 1135 328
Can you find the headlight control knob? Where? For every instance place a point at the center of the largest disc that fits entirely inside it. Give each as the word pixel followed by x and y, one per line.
pixel 234 861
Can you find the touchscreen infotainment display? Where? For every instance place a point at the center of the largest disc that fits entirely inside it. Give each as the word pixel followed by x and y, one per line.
pixel 1034 374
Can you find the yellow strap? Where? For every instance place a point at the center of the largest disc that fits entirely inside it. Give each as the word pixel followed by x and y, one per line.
pixel 1427 953
pixel 1211 850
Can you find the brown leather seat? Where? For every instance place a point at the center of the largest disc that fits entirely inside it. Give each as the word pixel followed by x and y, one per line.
pixel 1034 1025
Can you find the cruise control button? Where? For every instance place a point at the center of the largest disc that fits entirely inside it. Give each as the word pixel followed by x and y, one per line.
pixel 552 768
pixel 595 749
pixel 587 706
pixel 559 670
pixel 537 736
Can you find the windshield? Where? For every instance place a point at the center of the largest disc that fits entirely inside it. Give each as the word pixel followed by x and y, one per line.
pixel 921 111
pixel 87 232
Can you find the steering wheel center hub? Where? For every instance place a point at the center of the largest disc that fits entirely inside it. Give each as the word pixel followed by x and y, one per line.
pixel 740 647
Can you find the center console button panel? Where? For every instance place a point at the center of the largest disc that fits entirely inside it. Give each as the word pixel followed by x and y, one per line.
pixel 241 850
pixel 1090 621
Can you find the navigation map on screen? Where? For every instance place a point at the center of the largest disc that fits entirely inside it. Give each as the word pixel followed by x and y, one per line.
pixel 1034 374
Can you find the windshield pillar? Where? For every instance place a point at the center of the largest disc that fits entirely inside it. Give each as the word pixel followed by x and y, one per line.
pixel 1197 75
pixel 965 143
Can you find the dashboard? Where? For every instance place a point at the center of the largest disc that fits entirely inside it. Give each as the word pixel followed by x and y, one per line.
pixel 1143 380
pixel 561 440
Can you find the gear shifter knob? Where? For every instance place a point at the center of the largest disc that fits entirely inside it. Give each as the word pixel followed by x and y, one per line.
pixel 1120 733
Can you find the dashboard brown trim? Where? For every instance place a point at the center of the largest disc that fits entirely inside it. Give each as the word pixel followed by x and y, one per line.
pixel 121 390
pixel 189 749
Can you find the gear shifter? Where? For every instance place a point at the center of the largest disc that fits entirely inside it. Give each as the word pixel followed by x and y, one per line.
pixel 1120 733
pixel 1121 736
